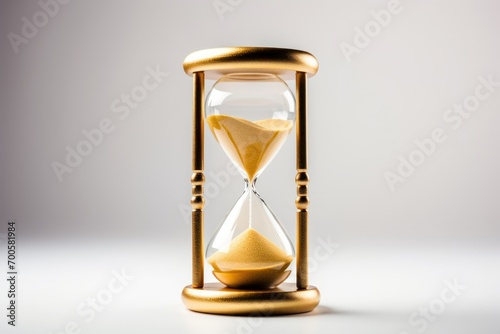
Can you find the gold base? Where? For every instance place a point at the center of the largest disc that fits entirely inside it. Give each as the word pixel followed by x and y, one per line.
pixel 215 298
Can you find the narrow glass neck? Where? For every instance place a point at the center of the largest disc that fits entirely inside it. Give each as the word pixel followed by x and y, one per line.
pixel 250 184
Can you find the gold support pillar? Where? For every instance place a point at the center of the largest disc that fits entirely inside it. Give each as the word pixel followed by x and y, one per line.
pixel 198 179
pixel 302 179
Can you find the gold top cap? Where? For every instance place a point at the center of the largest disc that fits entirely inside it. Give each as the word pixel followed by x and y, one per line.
pixel 244 59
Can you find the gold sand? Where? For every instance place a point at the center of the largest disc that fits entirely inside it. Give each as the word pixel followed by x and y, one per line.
pixel 251 260
pixel 250 145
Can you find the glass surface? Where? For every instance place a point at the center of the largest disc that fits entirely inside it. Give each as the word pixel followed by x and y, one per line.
pixel 250 116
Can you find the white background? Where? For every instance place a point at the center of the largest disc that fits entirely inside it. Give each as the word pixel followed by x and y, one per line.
pixel 124 206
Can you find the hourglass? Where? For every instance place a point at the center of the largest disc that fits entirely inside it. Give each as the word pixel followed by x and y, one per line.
pixel 250 111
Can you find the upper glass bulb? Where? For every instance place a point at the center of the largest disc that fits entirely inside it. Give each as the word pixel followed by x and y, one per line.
pixel 250 115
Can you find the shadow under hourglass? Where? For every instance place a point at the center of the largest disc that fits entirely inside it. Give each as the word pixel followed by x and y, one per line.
pixel 319 310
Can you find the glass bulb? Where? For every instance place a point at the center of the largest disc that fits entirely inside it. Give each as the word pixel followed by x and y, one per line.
pixel 250 116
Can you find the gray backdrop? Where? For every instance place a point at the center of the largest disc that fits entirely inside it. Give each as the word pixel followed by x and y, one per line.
pixel 404 159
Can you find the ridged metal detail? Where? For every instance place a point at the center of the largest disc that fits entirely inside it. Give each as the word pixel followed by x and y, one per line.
pixel 197 180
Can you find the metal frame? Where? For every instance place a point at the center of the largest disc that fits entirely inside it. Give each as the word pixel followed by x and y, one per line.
pixel 213 64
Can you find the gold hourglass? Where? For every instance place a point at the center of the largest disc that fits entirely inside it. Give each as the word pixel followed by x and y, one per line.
pixel 250 111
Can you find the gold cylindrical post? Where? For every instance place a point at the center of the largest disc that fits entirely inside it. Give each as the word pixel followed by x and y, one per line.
pixel 301 179
pixel 198 179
